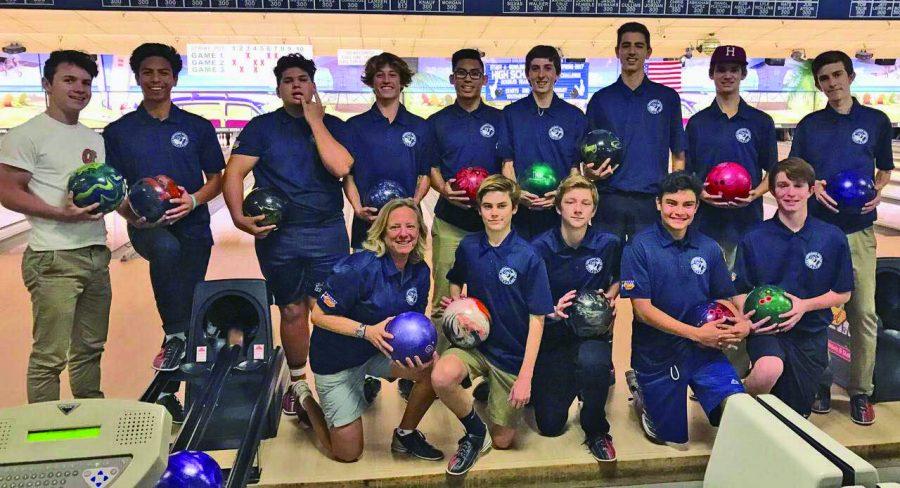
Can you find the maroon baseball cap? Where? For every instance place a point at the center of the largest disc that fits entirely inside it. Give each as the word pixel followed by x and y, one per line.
pixel 729 54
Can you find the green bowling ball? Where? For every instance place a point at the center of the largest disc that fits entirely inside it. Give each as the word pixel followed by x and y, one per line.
pixel 768 301
pixel 539 178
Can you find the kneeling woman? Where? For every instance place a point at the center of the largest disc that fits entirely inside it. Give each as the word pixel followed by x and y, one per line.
pixel 349 341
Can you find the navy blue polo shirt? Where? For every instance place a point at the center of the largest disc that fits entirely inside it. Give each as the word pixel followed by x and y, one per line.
pixel 648 122
pixel 290 162
pixel 463 139
pixel 747 138
pixel 511 280
pixel 593 265
pixel 676 276
pixel 183 147
pixel 833 142
pixel 806 263
pixel 368 289
pixel 399 151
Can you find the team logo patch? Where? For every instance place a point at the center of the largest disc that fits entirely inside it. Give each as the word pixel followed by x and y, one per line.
pixel 593 265
pixel 556 133
pixel 654 106
pixel 813 260
pixel 409 139
pixel 733 276
pixel 88 156
pixel 412 296
pixel 328 300
pixel 179 139
pixel 698 265
pixel 860 136
pixel 628 285
pixel 743 135
pixel 507 275
pixel 319 287
pixel 487 130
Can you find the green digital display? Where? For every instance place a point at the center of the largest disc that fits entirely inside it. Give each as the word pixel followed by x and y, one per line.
pixel 63 434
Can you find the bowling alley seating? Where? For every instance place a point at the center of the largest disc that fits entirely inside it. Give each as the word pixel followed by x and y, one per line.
pixel 887 305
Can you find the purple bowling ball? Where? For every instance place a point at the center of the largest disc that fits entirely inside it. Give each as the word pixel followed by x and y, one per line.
pixel 191 469
pixel 851 190
pixel 414 335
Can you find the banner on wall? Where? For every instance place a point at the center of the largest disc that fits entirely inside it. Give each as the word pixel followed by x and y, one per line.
pixel 507 81
pixel 239 60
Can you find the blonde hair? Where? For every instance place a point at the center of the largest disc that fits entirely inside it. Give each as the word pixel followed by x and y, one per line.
pixel 499 183
pixel 375 237
pixel 573 182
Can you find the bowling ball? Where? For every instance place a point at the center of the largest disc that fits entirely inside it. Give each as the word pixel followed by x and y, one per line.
pixel 768 301
pixel 851 190
pixel 191 469
pixel 265 201
pixel 599 145
pixel 539 178
pixel 468 180
pixel 149 197
pixel 414 335
pixel 469 333
pixel 707 312
pixel 97 183
pixel 590 315
pixel 382 192
pixel 731 180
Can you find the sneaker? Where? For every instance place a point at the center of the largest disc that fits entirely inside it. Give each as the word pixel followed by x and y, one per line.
pixel 650 429
pixel 301 392
pixel 405 386
pixel 601 447
pixel 822 402
pixel 482 391
pixel 371 387
pixel 289 403
pixel 862 411
pixel 173 406
pixel 635 389
pixel 470 447
pixel 170 356
pixel 415 445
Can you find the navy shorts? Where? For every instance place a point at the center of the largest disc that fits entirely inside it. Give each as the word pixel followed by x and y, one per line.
pixel 296 259
pixel 664 388
pixel 805 357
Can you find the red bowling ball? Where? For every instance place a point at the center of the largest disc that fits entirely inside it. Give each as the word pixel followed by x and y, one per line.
pixel 731 180
pixel 468 180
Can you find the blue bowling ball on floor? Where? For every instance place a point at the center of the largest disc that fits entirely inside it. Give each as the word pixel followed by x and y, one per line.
pixel 382 192
pixel 191 469
pixel 414 335
pixel 851 189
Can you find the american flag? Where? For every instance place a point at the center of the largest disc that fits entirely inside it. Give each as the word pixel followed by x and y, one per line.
pixel 665 72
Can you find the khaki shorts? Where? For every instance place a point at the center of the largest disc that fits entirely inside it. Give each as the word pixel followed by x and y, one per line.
pixel 342 394
pixel 500 412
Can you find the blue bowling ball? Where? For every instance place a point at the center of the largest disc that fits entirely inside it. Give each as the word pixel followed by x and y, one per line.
pixel 382 192
pixel 191 469
pixel 851 189
pixel 414 335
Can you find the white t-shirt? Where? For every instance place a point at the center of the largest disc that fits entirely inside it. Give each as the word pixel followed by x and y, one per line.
pixel 51 150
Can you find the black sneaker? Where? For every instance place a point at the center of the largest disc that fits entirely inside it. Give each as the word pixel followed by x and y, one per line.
pixel 415 445
pixel 173 406
pixel 822 402
pixel 862 411
pixel 470 447
pixel 650 429
pixel 635 389
pixel 482 391
pixel 405 386
pixel 601 447
pixel 371 387
pixel 169 357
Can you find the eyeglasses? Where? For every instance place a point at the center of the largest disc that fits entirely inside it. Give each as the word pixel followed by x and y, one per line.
pixel 461 74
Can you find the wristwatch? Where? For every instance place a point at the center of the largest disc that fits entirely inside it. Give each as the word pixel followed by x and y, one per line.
pixel 361 331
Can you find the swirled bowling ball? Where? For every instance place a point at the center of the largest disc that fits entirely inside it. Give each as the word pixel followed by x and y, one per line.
pixel 265 201
pixel 382 192
pixel 190 469
pixel 599 145
pixel 707 312
pixel 466 322
pixel 149 197
pixel 851 189
pixel 97 183
pixel 414 335
pixel 468 180
pixel 539 178
pixel 768 301
pixel 590 315
pixel 731 180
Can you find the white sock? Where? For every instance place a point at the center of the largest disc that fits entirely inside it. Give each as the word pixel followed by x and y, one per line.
pixel 179 335
pixel 298 373
pixel 404 432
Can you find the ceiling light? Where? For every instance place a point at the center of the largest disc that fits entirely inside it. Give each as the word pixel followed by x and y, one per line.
pixel 864 55
pixel 798 55
pixel 14 48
